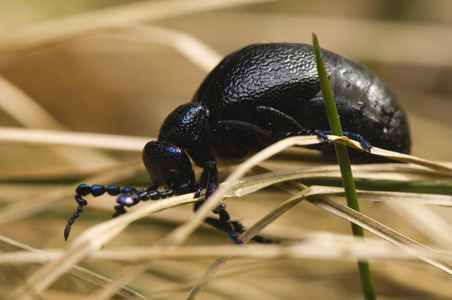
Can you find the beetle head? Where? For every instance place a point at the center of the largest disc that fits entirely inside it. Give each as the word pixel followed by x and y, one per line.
pixel 168 165
pixel 187 127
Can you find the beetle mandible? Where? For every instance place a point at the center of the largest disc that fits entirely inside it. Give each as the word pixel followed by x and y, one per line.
pixel 251 99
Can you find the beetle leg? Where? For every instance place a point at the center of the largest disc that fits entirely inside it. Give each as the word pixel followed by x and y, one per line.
pixel 354 136
pixel 282 125
pixel 210 180
pixel 225 219
pixel 280 121
pixel 266 136
pixel 249 128
pixel 277 117
pixel 223 223
pixel 238 228
pixel 357 137
pixel 323 135
pixel 272 137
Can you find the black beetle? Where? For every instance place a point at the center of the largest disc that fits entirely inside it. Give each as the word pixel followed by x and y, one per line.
pixel 253 98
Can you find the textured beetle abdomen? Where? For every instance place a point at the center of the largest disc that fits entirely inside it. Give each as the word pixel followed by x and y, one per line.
pixel 278 75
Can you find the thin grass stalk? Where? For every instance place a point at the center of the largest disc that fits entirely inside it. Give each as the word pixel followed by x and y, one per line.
pixel 344 164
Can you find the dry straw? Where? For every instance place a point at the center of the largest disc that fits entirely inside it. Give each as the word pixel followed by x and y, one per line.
pixel 88 244
pixel 54 264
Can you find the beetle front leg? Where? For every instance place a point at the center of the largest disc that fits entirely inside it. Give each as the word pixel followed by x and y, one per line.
pixel 238 229
pixel 210 181
pixel 224 222
pixel 209 178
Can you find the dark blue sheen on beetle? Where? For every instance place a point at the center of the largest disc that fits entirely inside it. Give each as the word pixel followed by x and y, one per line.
pixel 253 98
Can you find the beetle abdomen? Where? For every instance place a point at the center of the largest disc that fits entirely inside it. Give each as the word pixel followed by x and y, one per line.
pixel 284 77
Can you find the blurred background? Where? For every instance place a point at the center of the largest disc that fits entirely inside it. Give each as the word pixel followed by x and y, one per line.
pixel 120 67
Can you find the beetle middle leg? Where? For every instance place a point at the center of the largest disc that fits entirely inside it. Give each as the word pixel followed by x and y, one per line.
pixel 238 228
pixel 283 122
pixel 283 126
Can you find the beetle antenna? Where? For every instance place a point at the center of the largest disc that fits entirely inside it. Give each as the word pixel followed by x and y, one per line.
pixel 83 190
pixel 132 196
pixel 128 197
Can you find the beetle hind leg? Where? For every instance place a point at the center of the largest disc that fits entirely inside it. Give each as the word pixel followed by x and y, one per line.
pixel 354 136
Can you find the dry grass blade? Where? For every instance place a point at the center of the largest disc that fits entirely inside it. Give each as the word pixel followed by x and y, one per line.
pixel 68 138
pixel 318 196
pixel 313 196
pixel 315 245
pixel 427 221
pixel 40 256
pixel 418 198
pixel 247 236
pixel 189 46
pixel 127 143
pixel 103 67
pixel 395 172
pixel 87 243
pixel 344 212
pixel 45 33
pixel 24 109
pixel 447 170
pixel 181 233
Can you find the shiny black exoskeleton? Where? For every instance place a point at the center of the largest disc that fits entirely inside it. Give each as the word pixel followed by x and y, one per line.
pixel 253 98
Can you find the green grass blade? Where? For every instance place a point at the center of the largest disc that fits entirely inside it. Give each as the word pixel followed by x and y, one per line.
pixel 344 164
